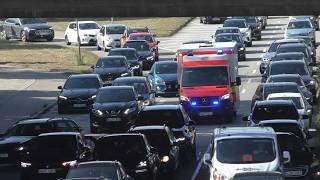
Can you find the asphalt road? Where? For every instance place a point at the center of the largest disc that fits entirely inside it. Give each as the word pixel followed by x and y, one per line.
pixel 248 71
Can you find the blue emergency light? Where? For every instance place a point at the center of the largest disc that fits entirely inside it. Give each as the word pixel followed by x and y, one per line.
pixel 190 53
pixel 220 51
pixel 193 103
pixel 215 102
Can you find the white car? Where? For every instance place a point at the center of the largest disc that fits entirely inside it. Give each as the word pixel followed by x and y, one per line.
pixel 88 31
pixel 245 29
pixel 303 107
pixel 244 149
pixel 109 36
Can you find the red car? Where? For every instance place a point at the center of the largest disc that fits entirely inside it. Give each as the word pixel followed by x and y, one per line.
pixel 149 38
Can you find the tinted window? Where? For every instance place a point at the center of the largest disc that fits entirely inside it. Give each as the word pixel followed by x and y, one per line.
pixel 286 68
pixel 166 68
pixel 157 138
pixel 139 46
pixel 279 89
pixel 296 80
pixel 141 88
pixel 295 100
pixel 258 176
pixel 115 29
pixel 274 112
pixel 170 118
pixel 115 95
pixel 84 26
pixel 130 55
pixel 32 21
pixel 299 25
pixel 288 57
pixel 110 62
pixel 247 151
pixel 142 37
pixel 239 24
pixel 304 50
pixel 205 76
pixel 99 171
pixel 82 83
pixel 273 47
pixel 33 129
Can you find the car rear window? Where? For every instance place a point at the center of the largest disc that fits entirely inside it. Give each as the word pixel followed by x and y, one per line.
pixel 170 118
pixel 274 112
pixel 279 89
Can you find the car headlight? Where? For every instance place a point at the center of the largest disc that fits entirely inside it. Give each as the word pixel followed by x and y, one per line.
pixel 124 74
pixel 129 110
pixel 311 33
pixel 29 29
pixel 98 112
pixel 51 28
pixel 150 58
pixel 226 96
pixel 146 103
pixel 180 139
pixel 63 97
pixel 241 49
pixel 265 59
pixel 165 159
pixel 24 164
pixel 184 98
pixel 312 82
pixel 69 163
pixel 142 164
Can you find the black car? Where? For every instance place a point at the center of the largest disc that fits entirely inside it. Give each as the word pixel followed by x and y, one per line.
pixel 142 86
pixel 163 140
pixel 27 29
pixel 140 160
pixel 98 170
pixel 294 67
pixel 263 90
pixel 132 56
pixel 144 50
pixel 296 47
pixel 25 130
pixel 175 117
pixel 303 162
pixel 164 78
pixel 77 92
pixel 234 37
pixel 254 24
pixel 115 108
pixel 50 155
pixel 111 67
pixel 289 56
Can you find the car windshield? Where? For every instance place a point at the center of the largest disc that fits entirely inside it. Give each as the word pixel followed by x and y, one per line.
pixel 115 29
pixel 239 24
pixel 139 46
pixel 166 68
pixel 280 89
pixel 273 47
pixel 32 21
pixel 82 83
pixel 130 55
pixel 286 68
pixel 205 76
pixel 304 50
pixel 147 38
pixel 33 129
pixel 247 151
pixel 140 87
pixel 220 31
pixel 170 118
pixel 115 95
pixel 249 19
pixel 274 112
pixel 286 127
pixel 288 57
pixel 299 25
pixel 228 38
pixel 136 30
pixel 157 139
pixel 86 26
pixel 102 171
pixel 110 62
pixel 295 100
pixel 296 80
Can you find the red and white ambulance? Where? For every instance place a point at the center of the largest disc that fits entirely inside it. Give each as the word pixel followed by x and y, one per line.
pixel 209 81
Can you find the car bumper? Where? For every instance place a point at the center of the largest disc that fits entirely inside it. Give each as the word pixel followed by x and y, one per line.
pixel 88 40
pixel 168 89
pixel 33 173
pixel 105 125
pixel 296 171
pixel 48 34
pixel 74 104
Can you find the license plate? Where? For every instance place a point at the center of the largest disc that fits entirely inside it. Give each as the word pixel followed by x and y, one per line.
pixel 205 113
pixel 43 32
pixel 4 155
pixel 114 119
pixel 79 105
pixel 47 171
pixel 293 173
pixel 169 86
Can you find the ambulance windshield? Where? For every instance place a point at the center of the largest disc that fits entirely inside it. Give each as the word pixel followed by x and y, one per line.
pixel 205 76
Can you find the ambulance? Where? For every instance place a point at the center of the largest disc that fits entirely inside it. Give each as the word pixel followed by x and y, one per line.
pixel 209 81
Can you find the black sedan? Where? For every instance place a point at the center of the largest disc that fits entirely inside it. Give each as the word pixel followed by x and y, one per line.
pixel 77 92
pixel 115 108
pixel 144 50
pixel 50 155
pixel 175 117
pixel 254 24
pixel 25 130
pixel 142 86
pixel 111 67
pixel 234 37
pixel 162 139
pixel 27 29
pixel 134 59
pixel 141 161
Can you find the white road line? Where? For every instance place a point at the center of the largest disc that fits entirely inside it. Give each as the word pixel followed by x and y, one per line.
pixel 258 62
pixel 243 91
pixel 249 81
pixel 254 71
pixel 196 171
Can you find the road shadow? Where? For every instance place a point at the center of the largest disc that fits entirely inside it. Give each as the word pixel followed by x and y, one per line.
pixel 15 73
pixel 16 44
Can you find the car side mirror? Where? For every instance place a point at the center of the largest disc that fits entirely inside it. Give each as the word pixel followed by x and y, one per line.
pixel 158 42
pixel 140 97
pixel 75 29
pixel 59 87
pixel 17 24
pixel 207 159
pixel 238 81
pixel 286 158
pixel 245 118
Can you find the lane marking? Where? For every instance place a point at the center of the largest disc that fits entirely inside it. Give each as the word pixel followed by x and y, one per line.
pixel 258 62
pixel 243 91
pixel 254 71
pixel 197 170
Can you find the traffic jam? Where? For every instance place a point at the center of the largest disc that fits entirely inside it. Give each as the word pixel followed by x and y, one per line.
pixel 132 136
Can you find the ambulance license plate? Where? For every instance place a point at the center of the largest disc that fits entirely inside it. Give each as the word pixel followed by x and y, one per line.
pixel 205 113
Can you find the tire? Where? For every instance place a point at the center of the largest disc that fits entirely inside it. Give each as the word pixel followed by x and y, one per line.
pixel 93 130
pixel 244 58
pixel 201 21
pixel 67 40
pixel 4 35
pixel 50 39
pixel 98 47
pixel 23 36
pixel 250 44
pixel 259 37
pixel 104 48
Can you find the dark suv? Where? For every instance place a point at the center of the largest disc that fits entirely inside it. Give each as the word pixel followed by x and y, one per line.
pixel 141 161
pixel 115 108
pixel 254 24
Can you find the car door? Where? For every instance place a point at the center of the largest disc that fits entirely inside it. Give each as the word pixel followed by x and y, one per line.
pixel 71 32
pixel 7 27
pixel 17 28
pixel 100 36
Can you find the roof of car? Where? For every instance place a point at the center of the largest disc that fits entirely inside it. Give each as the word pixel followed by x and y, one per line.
pixel 161 107
pixel 80 22
pixel 292 45
pixel 117 87
pixel 287 62
pixel 280 84
pixel 298 19
pixel 141 34
pixel 84 164
pixel 166 62
pixel 114 25
pixel 113 57
pixel 42 120
pixel 131 79
pixel 142 41
pixel 274 103
pixel 279 121
pixel 122 135
pixel 286 94
pixel 235 131
pixel 227 34
pixel 60 134
pixel 82 75
pixel 285 75
pixel 197 42
pixel 123 49
pixel 141 128
pixel 290 53
pixel 221 28
pixel 287 40
pixel 236 19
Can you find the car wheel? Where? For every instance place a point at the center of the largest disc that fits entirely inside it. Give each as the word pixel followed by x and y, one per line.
pixel 201 21
pixel 93 130
pixel 4 35
pixel 98 47
pixel 50 39
pixel 67 40
pixel 104 48
pixel 23 36
pixel 244 58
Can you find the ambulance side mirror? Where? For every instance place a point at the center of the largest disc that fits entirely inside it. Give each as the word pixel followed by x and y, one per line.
pixel 238 81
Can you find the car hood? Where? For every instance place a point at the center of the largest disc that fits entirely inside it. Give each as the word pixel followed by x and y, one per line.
pixel 168 77
pixel 133 62
pixel 79 93
pixel 14 140
pixel 110 71
pixel 268 55
pixel 37 26
pixel 298 31
pixel 229 170
pixel 113 105
pixel 204 91
pixel 145 53
pixel 115 36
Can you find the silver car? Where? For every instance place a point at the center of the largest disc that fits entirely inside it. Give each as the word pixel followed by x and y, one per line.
pixel 300 27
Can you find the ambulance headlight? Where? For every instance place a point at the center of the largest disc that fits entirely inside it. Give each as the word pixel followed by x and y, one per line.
pixel 225 97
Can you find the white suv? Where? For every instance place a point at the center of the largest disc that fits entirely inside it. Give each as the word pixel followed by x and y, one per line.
pixel 109 36
pixel 88 31
pixel 243 149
